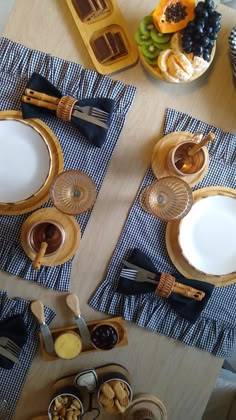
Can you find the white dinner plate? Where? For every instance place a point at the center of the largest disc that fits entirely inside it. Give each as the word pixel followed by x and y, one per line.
pixel 24 161
pixel 207 235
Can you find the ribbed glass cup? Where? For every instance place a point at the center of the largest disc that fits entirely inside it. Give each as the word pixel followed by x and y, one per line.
pixel 73 192
pixel 168 199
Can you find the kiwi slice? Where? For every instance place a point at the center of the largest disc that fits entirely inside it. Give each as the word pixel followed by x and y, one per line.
pixel 159 38
pixel 142 39
pixel 150 51
pixel 151 61
pixel 162 46
pixel 146 25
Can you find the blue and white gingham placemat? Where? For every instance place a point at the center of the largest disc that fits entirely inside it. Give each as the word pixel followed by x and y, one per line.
pixel 215 329
pixel 12 381
pixel 17 63
pixel 232 47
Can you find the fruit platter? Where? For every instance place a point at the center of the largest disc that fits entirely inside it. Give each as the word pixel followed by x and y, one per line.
pixel 177 41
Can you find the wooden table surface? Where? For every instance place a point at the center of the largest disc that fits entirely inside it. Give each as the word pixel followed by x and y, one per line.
pixel 182 377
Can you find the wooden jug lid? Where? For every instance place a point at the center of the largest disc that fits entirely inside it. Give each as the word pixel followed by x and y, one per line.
pixel 146 406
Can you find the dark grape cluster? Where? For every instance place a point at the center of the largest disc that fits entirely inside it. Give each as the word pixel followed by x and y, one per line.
pixel 200 34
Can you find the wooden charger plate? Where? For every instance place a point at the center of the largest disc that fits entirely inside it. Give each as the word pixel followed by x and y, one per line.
pixel 159 157
pixel 156 72
pixel 113 21
pixel 54 154
pixel 174 251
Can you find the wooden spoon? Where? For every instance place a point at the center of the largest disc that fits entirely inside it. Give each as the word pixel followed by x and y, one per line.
pixel 48 234
pixel 187 161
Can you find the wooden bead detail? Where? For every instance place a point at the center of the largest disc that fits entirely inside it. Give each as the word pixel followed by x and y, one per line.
pixel 165 285
pixel 65 108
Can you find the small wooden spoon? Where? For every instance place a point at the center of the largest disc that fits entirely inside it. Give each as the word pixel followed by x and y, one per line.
pixel 187 161
pixel 48 235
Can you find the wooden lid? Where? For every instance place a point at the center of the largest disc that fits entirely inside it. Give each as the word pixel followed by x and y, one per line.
pixel 146 406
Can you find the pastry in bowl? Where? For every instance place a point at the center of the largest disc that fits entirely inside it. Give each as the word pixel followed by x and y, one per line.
pixel 177 41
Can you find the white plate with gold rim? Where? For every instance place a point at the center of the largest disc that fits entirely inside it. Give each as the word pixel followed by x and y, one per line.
pixel 30 158
pixel 183 265
pixel 207 235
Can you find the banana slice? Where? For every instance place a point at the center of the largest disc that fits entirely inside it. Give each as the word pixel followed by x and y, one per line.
pixel 162 59
pixel 179 66
pixel 175 42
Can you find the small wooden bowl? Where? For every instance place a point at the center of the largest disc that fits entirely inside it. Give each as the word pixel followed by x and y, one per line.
pixel 105 346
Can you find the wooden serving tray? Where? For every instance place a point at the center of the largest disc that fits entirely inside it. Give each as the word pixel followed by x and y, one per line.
pixel 111 20
pixel 117 322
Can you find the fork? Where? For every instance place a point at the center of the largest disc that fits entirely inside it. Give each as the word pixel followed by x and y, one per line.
pixel 10 346
pixel 89 110
pixel 165 285
pixel 136 275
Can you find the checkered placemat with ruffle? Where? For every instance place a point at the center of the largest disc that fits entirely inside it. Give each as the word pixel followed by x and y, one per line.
pixel 12 381
pixel 215 329
pixel 17 63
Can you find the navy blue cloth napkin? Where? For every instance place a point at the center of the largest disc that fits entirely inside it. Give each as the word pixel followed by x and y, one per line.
pixel 189 309
pixel 95 134
pixel 15 329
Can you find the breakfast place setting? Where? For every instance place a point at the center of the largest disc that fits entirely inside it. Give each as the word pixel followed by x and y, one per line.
pixel 117 209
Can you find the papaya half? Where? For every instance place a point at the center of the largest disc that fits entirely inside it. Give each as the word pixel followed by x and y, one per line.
pixel 173 15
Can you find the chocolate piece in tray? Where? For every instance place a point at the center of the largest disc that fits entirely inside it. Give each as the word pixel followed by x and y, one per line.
pixel 109 46
pixel 84 8
pixel 101 7
pixel 90 9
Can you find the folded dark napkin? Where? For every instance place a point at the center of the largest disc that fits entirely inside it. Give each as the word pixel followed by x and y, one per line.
pixel 189 309
pixel 15 329
pixel 95 134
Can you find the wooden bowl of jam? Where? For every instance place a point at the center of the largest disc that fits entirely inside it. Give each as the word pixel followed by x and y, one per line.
pixel 104 336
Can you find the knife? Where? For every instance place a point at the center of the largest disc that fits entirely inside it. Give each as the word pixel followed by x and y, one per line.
pixel 37 309
pixel 8 355
pixel 88 118
pixel 73 303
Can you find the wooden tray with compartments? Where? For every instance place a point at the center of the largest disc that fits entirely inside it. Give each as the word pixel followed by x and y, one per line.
pixel 117 322
pixel 109 22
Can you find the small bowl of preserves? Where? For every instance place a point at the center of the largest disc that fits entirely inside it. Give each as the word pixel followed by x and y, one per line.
pixel 104 336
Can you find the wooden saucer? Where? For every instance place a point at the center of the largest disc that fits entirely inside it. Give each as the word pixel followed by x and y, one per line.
pixel 174 250
pixel 56 165
pixel 72 233
pixel 160 153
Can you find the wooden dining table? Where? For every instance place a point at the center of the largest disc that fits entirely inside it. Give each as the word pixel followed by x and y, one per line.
pixel 182 377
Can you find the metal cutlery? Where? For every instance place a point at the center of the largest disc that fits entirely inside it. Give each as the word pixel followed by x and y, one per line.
pixel 96 115
pixel 165 284
pixel 73 303
pixel 10 345
pixel 93 111
pixel 9 354
pixel 37 309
